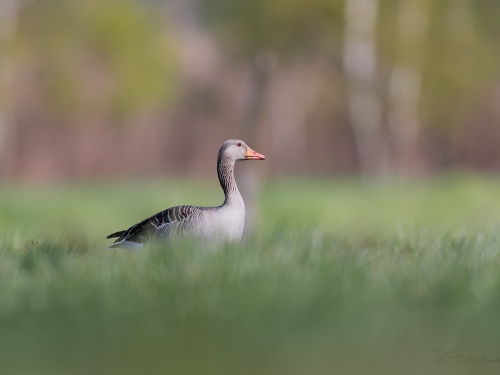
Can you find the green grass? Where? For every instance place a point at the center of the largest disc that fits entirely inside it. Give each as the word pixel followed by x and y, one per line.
pixel 343 277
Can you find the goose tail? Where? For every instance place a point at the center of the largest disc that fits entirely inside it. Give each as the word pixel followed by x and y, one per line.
pixel 116 234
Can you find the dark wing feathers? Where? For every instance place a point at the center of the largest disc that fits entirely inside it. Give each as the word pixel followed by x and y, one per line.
pixel 116 234
pixel 145 229
pixel 137 232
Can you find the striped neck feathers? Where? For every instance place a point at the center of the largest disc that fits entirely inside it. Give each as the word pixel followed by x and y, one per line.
pixel 225 172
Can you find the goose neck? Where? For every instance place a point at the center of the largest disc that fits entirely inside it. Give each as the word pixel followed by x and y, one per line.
pixel 225 172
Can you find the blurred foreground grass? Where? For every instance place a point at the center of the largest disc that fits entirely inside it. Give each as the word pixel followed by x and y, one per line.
pixel 343 276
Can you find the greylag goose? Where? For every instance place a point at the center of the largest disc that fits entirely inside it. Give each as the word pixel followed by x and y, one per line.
pixel 224 223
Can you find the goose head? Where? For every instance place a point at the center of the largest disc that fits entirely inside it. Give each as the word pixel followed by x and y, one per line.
pixel 237 150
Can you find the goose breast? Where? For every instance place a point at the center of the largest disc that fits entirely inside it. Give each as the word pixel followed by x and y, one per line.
pixel 225 223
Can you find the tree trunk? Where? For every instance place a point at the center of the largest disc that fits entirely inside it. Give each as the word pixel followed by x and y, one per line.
pixel 8 23
pixel 250 176
pixel 405 84
pixel 364 102
pixel 287 115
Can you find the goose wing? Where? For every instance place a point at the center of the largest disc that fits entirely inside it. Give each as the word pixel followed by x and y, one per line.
pixel 159 223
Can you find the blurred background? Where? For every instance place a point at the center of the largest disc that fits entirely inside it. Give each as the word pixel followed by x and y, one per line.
pixel 103 90
pixel 113 110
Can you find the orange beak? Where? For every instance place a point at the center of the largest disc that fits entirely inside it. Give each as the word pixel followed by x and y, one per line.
pixel 252 155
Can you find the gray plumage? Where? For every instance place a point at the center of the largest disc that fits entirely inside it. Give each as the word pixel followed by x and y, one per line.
pixel 224 222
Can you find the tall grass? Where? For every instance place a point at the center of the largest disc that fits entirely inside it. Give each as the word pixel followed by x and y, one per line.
pixel 342 277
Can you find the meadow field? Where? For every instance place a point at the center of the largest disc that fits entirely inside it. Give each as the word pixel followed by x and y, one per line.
pixel 342 276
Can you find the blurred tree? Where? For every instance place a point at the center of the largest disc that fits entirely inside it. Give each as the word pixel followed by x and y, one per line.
pixel 461 58
pixel 405 81
pixel 414 69
pixel 410 63
pixel 8 24
pixel 103 58
pixel 406 62
pixel 365 103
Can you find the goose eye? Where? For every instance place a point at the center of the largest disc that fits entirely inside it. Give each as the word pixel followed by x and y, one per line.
pixel 239 144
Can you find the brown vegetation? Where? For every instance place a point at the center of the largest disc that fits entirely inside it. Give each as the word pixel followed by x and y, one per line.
pixel 143 89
